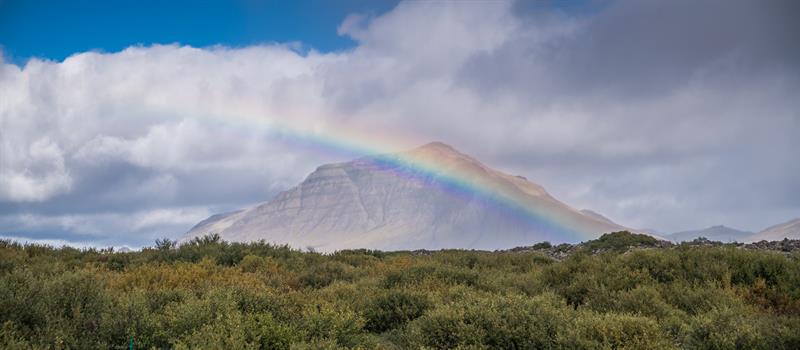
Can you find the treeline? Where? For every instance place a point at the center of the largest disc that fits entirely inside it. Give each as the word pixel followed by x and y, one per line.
pixel 213 294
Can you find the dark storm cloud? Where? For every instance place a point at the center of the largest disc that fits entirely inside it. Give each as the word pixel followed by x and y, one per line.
pixel 652 46
pixel 643 47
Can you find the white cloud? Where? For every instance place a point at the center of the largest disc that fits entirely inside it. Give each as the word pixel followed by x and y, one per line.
pixel 32 171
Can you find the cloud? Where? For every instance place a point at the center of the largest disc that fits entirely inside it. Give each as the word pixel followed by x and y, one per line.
pixel 141 228
pixel 33 172
pixel 650 113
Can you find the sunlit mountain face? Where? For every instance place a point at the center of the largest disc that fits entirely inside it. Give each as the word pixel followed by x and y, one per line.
pixel 430 197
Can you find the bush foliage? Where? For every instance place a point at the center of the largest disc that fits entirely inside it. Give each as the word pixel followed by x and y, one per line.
pixel 213 294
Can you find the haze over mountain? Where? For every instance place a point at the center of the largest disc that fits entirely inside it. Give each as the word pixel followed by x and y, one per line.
pixel 789 229
pixel 719 233
pixel 430 197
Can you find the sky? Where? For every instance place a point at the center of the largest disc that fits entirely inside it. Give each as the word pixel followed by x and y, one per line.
pixel 122 122
pixel 57 29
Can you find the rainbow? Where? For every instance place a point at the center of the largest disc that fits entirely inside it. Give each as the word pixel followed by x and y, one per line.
pixel 382 151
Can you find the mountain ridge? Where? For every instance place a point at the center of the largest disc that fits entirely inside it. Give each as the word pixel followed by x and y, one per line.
pixel 429 197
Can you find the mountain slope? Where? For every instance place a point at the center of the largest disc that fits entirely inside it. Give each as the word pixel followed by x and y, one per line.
pixel 596 215
pixel 715 233
pixel 430 197
pixel 789 229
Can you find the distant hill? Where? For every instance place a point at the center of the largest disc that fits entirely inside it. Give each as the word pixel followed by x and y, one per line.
pixel 715 233
pixel 789 229
pixel 430 197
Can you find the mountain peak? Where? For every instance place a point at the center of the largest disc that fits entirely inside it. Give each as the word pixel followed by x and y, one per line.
pixel 436 148
pixel 441 154
pixel 365 204
pixel 437 145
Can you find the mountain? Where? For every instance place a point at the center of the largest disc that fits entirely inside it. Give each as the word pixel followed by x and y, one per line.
pixel 430 197
pixel 596 215
pixel 653 232
pixel 789 229
pixel 715 233
pixel 212 222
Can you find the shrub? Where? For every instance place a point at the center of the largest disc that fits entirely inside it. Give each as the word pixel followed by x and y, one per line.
pixel 620 241
pixel 11 338
pixel 324 274
pixel 498 322
pixel 214 294
pixel 326 323
pixel 394 309
pixel 445 329
pixel 165 244
pixel 75 302
pixel 725 328
pixel 183 319
pixel 418 274
pixel 237 332
pixel 616 331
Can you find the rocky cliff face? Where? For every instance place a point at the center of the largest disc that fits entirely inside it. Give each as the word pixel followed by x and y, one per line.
pixel 409 200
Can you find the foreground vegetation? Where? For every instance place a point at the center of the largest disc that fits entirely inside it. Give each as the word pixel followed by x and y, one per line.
pixel 214 294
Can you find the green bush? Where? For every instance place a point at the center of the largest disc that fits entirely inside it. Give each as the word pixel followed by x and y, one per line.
pixel 11 338
pixel 444 274
pixel 620 241
pixel 725 328
pixel 324 274
pixel 394 309
pixel 542 245
pixel 444 328
pixel 214 294
pixel 616 331
pixel 238 332
pixel 326 323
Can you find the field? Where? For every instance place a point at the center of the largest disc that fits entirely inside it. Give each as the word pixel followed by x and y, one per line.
pixel 623 291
